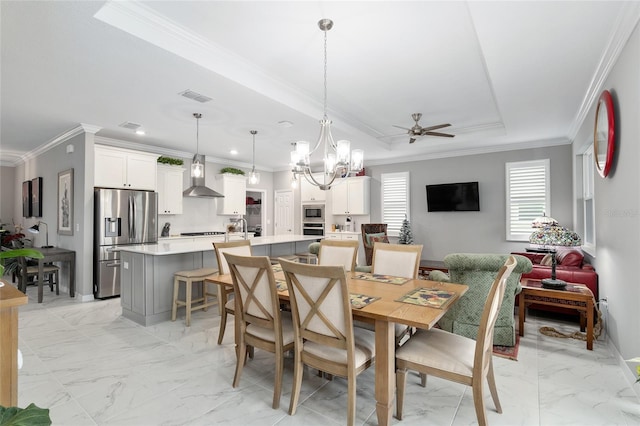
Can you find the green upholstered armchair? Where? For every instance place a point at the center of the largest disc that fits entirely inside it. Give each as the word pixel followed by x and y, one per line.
pixel 478 272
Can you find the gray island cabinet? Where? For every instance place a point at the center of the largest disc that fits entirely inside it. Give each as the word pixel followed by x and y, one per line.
pixel 146 287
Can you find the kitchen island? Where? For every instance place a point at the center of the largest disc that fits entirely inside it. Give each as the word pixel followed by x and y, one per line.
pixel 146 285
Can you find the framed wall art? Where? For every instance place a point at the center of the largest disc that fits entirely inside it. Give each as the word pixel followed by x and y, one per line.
pixel 65 202
pixel 36 197
pixel 26 198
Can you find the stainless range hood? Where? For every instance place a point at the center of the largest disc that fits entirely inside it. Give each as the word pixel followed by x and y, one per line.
pixel 198 188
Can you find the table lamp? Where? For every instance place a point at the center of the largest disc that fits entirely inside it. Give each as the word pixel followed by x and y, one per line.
pixel 551 237
pixel 35 229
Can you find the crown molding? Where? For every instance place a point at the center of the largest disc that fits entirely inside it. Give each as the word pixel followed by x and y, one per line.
pixel 473 151
pixel 79 129
pixel 623 28
pixel 117 143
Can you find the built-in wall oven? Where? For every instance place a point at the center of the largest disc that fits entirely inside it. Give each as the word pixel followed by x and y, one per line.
pixel 313 228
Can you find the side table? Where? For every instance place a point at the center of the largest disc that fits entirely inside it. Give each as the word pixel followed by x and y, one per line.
pixel 575 296
pixel 427 265
pixel 10 300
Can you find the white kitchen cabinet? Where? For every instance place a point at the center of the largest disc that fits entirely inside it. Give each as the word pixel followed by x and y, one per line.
pixel 234 189
pixel 309 192
pixel 123 168
pixel 170 182
pixel 352 197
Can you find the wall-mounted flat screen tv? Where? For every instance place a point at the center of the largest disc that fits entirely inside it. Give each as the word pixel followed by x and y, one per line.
pixel 453 197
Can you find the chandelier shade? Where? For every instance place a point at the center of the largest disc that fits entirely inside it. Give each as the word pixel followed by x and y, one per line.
pixel 338 160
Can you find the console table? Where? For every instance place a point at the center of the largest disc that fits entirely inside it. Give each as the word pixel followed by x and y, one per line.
pixel 575 296
pixel 10 300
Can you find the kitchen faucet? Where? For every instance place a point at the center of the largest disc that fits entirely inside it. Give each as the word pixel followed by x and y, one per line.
pixel 244 226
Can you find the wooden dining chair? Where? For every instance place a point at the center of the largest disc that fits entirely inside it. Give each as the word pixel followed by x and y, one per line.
pixel 399 260
pixel 457 358
pixel 339 252
pixel 226 305
pixel 325 338
pixel 259 323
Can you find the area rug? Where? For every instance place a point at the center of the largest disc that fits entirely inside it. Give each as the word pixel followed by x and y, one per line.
pixel 509 352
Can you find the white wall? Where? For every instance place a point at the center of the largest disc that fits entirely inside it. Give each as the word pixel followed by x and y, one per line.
pixel 617 204
pixel 7 195
pixel 47 165
pixel 442 233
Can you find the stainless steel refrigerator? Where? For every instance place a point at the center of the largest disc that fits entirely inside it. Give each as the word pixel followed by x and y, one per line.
pixel 121 217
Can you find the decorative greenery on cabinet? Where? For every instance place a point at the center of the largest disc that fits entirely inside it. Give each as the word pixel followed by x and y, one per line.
pixel 170 161
pixel 232 170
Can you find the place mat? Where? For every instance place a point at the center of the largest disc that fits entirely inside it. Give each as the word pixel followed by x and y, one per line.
pixel 431 297
pixel 276 268
pixel 359 301
pixel 389 279
pixel 281 285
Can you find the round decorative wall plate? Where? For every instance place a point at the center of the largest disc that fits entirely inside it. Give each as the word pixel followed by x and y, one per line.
pixel 604 134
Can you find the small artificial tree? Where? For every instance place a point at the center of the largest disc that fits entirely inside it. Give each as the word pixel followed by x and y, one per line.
pixel 406 235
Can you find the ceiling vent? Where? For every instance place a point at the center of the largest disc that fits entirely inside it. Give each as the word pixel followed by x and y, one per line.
pixel 130 125
pixel 195 96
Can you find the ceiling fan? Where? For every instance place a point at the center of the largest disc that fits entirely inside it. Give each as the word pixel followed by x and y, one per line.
pixel 417 130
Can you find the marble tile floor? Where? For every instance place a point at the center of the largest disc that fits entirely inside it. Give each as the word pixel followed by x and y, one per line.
pixel 90 366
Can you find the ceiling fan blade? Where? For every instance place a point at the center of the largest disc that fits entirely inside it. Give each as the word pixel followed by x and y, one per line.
pixel 400 127
pixel 445 135
pixel 439 126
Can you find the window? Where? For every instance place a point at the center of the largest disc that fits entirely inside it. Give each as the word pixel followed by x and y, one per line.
pixel 528 196
pixel 589 231
pixel 395 200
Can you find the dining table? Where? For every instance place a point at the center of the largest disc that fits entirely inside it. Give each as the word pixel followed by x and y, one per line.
pixel 384 312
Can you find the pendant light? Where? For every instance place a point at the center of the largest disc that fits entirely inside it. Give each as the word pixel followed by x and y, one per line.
pixel 197 168
pixel 254 178
pixel 339 161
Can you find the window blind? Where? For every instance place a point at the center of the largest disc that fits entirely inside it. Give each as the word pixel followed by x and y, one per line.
pixel 395 200
pixel 528 196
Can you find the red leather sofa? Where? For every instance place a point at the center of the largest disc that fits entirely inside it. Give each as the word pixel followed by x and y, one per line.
pixel 570 267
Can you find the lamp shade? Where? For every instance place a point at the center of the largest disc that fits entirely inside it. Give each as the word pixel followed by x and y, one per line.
pixel 555 236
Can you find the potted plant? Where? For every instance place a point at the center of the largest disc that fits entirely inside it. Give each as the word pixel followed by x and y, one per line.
pixel 32 416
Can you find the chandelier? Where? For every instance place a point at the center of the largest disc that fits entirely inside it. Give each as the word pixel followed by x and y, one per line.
pixel 254 178
pixel 339 161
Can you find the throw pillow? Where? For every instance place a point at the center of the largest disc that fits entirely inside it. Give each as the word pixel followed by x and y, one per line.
pixel 547 260
pixel 570 258
pixel 368 237
pixel 383 239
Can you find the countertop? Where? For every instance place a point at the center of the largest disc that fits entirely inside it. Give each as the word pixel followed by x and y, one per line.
pixel 168 246
pixel 233 235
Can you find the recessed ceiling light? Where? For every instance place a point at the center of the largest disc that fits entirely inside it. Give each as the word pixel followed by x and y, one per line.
pixel 233 152
pixel 140 132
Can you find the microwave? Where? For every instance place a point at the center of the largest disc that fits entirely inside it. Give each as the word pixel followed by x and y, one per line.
pixel 313 213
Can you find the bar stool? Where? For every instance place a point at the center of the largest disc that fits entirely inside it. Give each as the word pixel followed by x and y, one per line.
pixel 190 277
